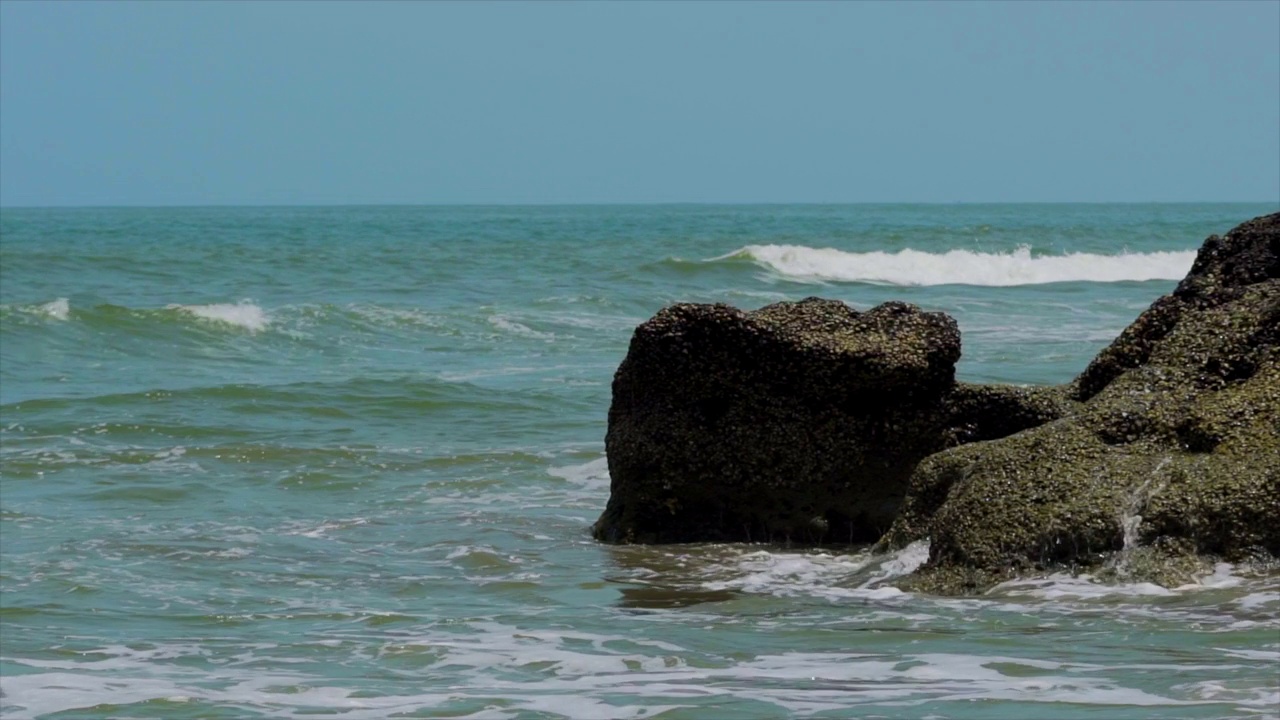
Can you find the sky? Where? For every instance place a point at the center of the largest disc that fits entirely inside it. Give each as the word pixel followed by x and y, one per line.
pixel 299 103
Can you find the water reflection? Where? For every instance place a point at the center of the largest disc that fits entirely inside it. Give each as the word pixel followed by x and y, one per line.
pixel 662 598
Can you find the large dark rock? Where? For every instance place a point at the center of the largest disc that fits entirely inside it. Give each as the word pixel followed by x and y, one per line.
pixel 796 422
pixel 1170 453
pixel 799 422
pixel 811 422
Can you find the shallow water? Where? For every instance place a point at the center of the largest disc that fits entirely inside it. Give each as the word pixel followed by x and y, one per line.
pixel 284 461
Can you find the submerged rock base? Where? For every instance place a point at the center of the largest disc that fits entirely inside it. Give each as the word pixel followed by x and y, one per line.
pixel 811 422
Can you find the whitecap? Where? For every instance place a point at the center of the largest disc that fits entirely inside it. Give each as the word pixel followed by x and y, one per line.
pixel 243 314
pixel 58 309
pixel 963 267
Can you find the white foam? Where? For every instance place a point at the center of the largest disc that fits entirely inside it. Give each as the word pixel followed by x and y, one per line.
pixel 588 321
pixel 392 316
pixel 1223 576
pixel 1259 600
pixel 57 309
pixel 305 529
pixel 1061 586
pixel 964 267
pixel 592 475
pixel 621 674
pixel 1084 586
pixel 243 314
pixel 835 577
pixel 1246 654
pixel 508 325
pixel 904 561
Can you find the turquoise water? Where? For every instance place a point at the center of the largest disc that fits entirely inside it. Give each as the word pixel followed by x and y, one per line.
pixel 279 462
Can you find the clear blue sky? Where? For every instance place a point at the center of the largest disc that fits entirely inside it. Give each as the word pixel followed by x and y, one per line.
pixel 162 103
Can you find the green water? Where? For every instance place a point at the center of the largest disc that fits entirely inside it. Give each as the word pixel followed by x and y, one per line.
pixel 279 462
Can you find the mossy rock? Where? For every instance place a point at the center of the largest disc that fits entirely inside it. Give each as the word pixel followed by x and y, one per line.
pixel 811 422
pixel 799 422
pixel 1172 445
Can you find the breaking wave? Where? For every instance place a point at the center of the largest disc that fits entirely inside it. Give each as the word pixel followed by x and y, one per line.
pixel 243 314
pixel 962 267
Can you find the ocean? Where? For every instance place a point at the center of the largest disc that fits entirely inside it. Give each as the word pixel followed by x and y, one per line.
pixel 342 461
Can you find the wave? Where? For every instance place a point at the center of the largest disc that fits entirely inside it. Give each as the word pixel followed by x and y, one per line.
pixel 243 314
pixel 320 398
pixel 571 672
pixel 301 320
pixel 860 576
pixel 508 325
pixel 57 309
pixel 962 267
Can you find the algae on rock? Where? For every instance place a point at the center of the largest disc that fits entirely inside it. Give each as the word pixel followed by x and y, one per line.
pixel 1176 430
pixel 811 422
pixel 797 422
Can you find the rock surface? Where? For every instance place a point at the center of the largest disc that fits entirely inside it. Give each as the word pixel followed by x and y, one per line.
pixel 811 422
pixel 1171 454
pixel 797 422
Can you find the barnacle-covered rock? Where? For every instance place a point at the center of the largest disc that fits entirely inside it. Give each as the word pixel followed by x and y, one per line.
pixel 796 422
pixel 812 422
pixel 1172 445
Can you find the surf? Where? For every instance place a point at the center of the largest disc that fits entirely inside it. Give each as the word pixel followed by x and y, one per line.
pixel 909 267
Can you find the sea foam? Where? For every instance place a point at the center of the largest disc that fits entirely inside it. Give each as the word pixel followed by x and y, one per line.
pixel 58 309
pixel 861 576
pixel 593 475
pixel 963 267
pixel 511 326
pixel 243 314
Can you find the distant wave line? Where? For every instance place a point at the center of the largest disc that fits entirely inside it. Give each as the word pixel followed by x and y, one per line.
pixel 962 267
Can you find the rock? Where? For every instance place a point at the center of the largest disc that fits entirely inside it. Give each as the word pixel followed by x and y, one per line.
pixel 797 422
pixel 811 422
pixel 1225 269
pixel 1168 443
pixel 987 412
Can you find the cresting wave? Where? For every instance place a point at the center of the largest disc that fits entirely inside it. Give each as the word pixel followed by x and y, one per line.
pixel 57 309
pixel 243 314
pixel 302 320
pixel 962 267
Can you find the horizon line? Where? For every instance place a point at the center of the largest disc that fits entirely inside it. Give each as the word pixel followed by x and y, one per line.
pixel 680 203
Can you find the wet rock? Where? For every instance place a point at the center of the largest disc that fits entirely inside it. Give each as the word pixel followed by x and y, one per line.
pixel 811 422
pixel 797 422
pixel 1168 441
pixel 987 412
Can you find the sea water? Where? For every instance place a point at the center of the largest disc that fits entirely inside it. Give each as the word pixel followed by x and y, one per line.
pixel 287 462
